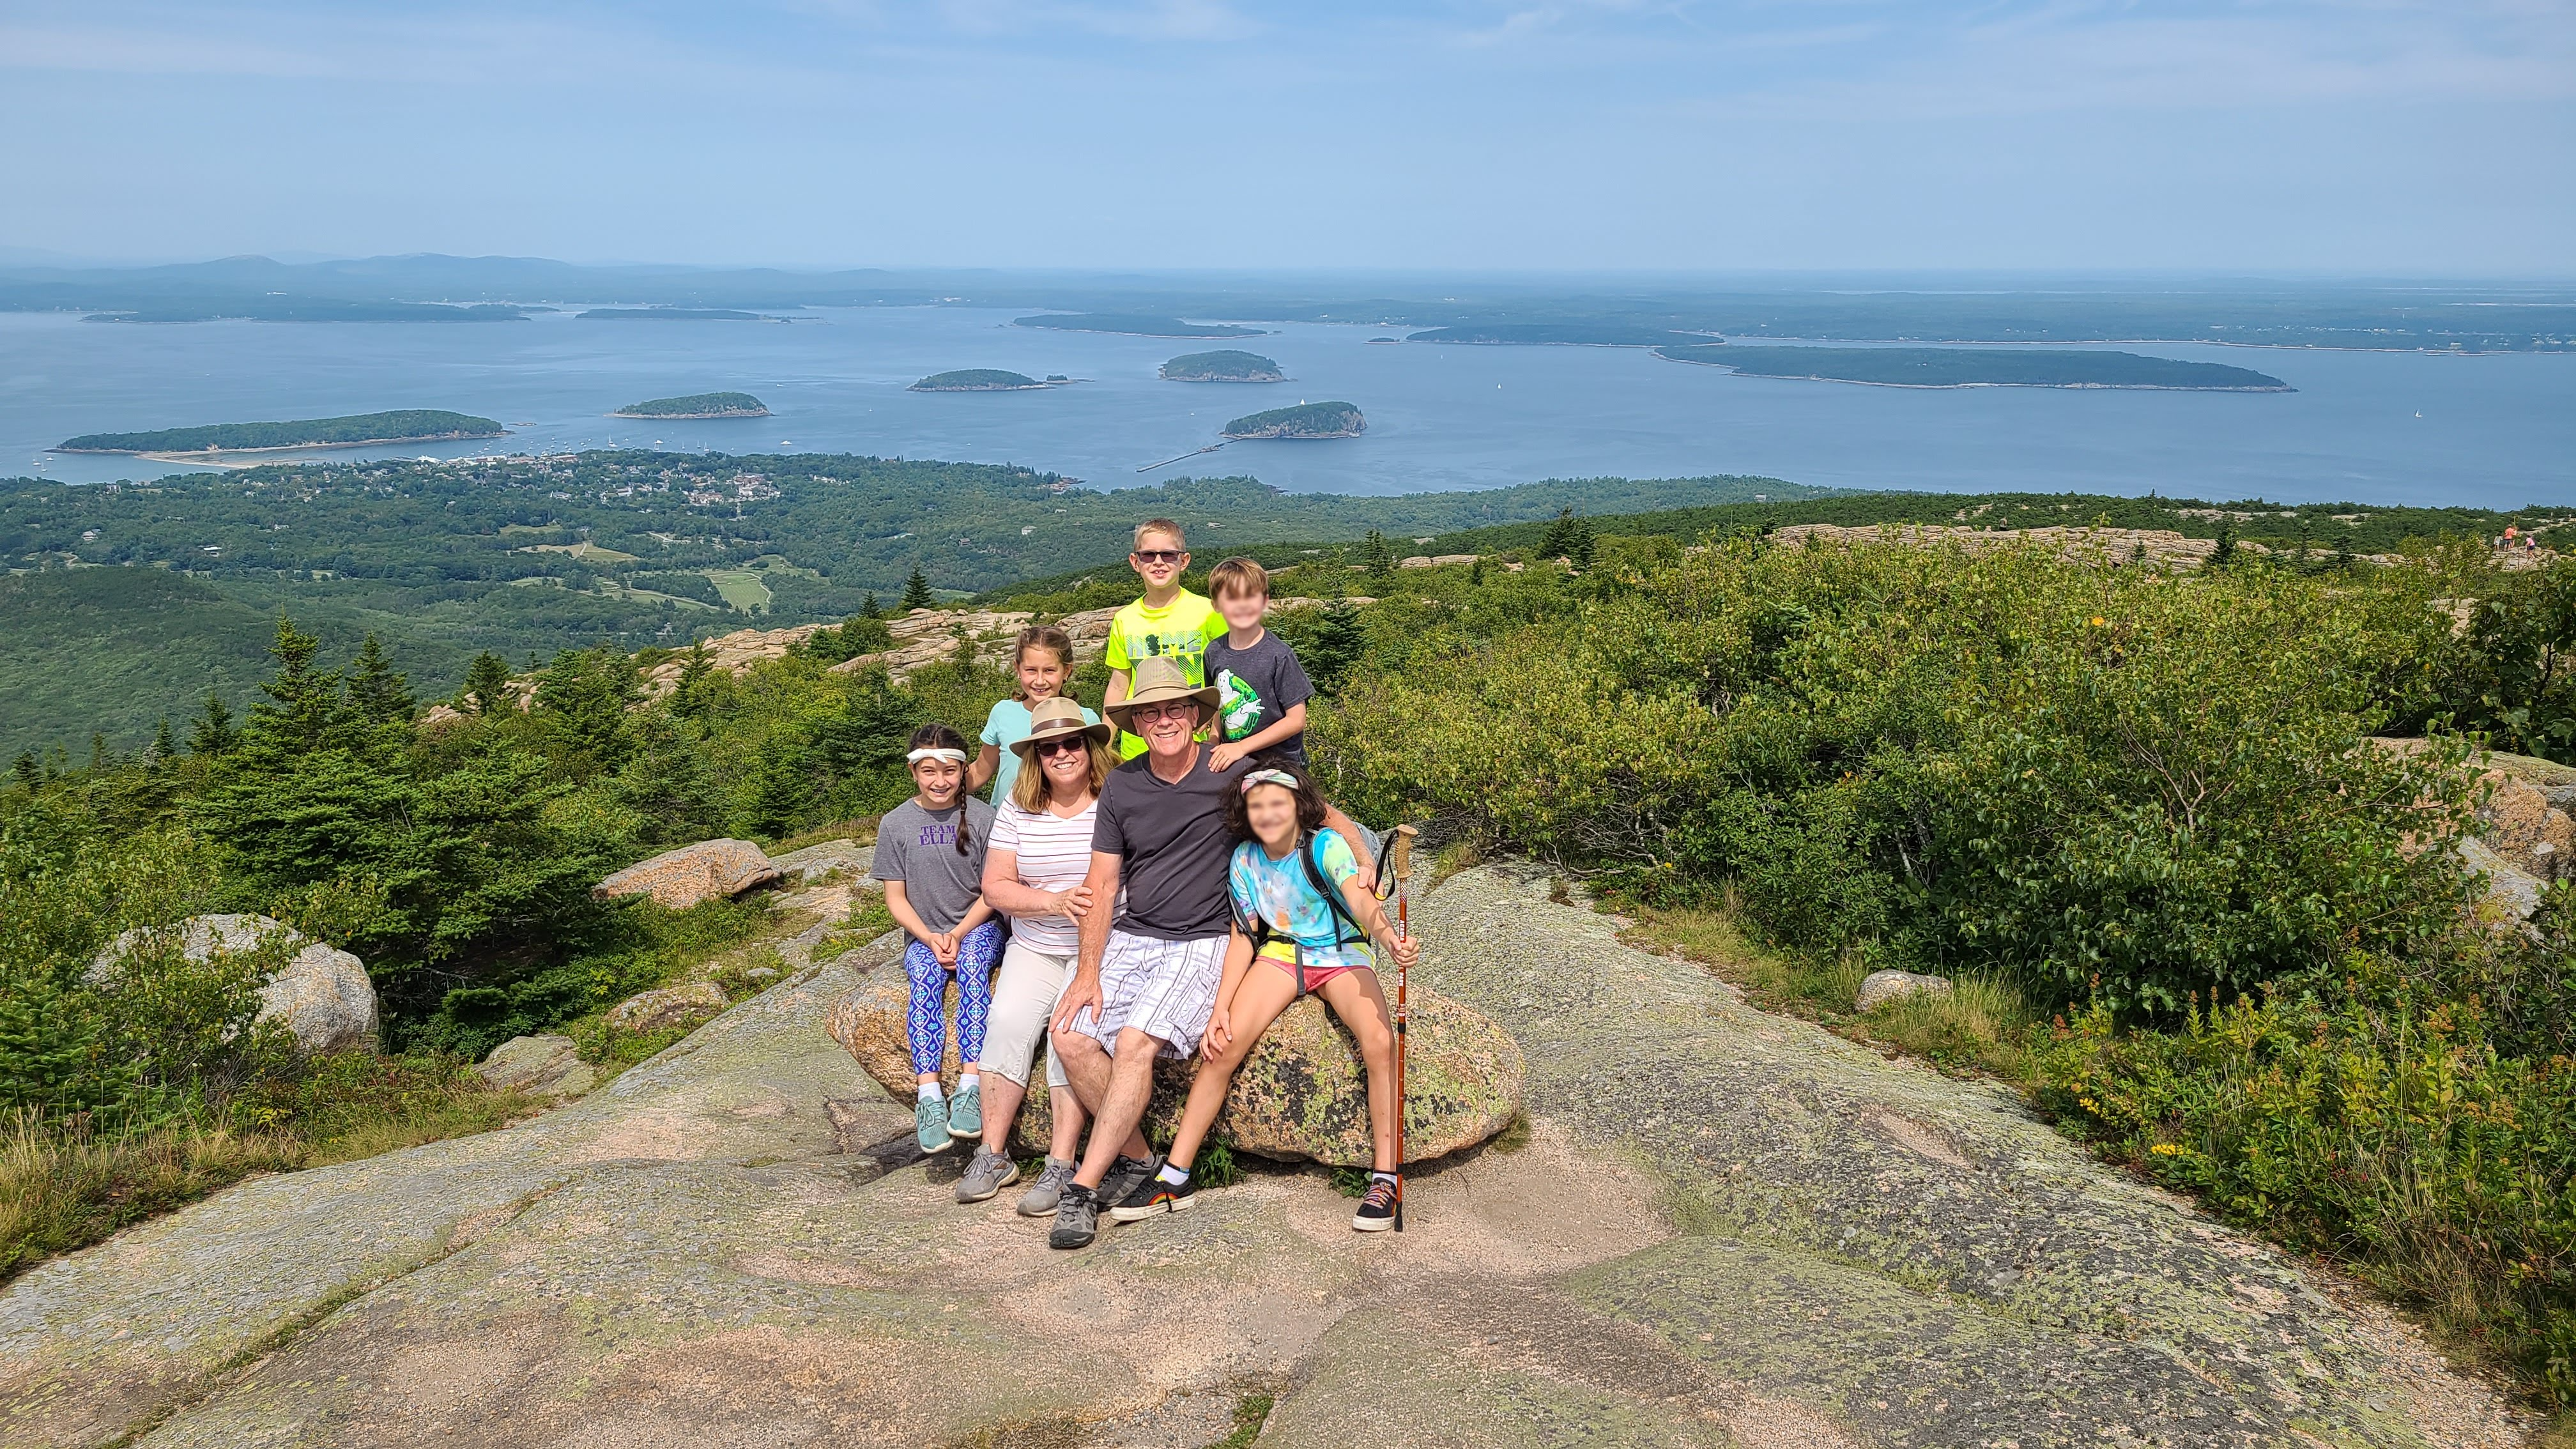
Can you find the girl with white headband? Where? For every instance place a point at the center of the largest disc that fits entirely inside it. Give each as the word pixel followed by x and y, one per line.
pixel 930 854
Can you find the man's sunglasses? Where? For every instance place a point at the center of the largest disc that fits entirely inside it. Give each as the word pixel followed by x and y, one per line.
pixel 1069 745
pixel 1160 555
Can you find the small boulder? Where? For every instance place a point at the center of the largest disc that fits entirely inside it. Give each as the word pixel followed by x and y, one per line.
pixel 814 862
pixel 321 993
pixel 1302 1095
pixel 667 1007
pixel 1880 987
pixel 2512 894
pixel 709 870
pixel 541 1066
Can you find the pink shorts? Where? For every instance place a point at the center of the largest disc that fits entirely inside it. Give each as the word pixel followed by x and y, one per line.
pixel 1315 976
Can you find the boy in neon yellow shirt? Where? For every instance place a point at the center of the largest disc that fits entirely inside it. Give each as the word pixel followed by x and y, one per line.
pixel 1169 622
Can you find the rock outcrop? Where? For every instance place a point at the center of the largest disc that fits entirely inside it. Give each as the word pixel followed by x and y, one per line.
pixel 1881 987
pixel 320 993
pixel 1301 1096
pixel 709 870
pixel 541 1066
pixel 1724 1227
pixel 2160 546
pixel 2525 840
pixel 665 1007
pixel 813 862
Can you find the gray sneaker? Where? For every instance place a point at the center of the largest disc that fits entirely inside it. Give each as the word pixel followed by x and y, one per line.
pixel 1077 1218
pixel 1040 1200
pixel 988 1174
pixel 1124 1174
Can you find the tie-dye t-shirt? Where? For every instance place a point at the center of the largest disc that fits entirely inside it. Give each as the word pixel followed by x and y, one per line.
pixel 1278 892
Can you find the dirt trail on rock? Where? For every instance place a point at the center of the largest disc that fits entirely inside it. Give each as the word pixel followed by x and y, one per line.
pixel 1724 1228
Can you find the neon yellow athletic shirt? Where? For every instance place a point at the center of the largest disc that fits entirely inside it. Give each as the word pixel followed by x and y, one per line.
pixel 1178 631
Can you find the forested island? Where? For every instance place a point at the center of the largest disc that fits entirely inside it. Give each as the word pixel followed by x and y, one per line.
pixel 1306 420
pixel 668 314
pixel 416 425
pixel 1134 325
pixel 306 309
pixel 1558 334
pixel 1222 366
pixel 976 379
pixel 1979 367
pixel 697 405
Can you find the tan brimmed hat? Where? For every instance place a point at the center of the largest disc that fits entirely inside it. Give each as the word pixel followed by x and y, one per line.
pixel 1158 681
pixel 1053 719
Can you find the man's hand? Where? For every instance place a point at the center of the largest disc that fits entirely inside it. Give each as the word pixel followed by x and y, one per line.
pixel 1082 991
pixel 1222 758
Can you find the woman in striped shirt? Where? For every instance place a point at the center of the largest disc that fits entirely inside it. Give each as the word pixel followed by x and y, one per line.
pixel 1033 873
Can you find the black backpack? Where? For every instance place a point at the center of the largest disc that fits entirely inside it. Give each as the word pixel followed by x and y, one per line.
pixel 1262 934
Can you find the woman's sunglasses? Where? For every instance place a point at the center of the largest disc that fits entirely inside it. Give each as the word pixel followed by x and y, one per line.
pixel 1160 555
pixel 1070 744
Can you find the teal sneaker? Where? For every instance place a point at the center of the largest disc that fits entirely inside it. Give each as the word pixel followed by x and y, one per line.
pixel 930 1123
pixel 966 1114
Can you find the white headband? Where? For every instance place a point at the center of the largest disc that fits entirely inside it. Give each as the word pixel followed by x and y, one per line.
pixel 936 753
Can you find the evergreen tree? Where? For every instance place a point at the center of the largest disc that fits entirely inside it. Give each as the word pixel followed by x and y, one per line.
pixel 1579 547
pixel 2226 553
pixel 584 694
pixel 487 682
pixel 1559 536
pixel 1476 572
pixel 694 691
pixel 163 746
pixel 916 590
pixel 2343 552
pixel 379 693
pixel 30 775
pixel 868 605
pixel 307 709
pixel 2301 559
pixel 97 752
pixel 212 732
pixel 1378 558
pixel 1334 647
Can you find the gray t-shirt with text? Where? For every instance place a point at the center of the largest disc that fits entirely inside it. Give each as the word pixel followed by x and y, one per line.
pixel 919 848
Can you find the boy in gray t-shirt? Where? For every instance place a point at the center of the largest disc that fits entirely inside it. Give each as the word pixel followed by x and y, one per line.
pixel 919 848
pixel 1261 688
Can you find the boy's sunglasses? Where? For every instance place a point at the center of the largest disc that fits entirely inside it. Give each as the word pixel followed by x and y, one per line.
pixel 1069 745
pixel 1160 555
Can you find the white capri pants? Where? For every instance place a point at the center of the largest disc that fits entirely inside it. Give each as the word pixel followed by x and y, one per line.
pixel 1024 996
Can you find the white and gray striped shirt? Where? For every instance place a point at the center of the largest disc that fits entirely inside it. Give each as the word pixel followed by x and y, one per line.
pixel 1054 854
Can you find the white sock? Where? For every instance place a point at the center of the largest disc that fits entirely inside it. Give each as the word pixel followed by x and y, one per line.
pixel 930 1092
pixel 969 1082
pixel 1377 1176
pixel 1173 1173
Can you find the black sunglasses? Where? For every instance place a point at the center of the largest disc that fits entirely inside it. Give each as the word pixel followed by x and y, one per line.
pixel 1160 555
pixel 1066 745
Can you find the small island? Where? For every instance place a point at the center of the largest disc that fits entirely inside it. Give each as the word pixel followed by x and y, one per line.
pixel 1557 334
pixel 1980 367
pixel 667 314
pixel 1225 366
pixel 360 430
pixel 697 405
pixel 1306 420
pixel 1133 325
pixel 978 379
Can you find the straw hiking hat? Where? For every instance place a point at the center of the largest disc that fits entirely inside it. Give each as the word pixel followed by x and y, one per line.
pixel 1053 719
pixel 1157 681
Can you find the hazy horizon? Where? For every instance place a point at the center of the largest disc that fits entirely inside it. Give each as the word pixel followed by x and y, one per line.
pixel 2307 139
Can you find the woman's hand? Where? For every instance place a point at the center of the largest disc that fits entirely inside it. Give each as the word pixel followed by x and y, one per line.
pixel 1073 902
pixel 1220 1033
pixel 944 946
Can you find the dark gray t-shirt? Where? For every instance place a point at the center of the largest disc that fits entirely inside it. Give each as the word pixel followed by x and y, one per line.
pixel 919 848
pixel 1173 845
pixel 1256 687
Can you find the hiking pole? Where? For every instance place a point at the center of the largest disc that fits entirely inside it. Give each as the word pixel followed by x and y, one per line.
pixel 1401 854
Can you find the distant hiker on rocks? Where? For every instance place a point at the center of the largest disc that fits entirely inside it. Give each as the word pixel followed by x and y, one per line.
pixel 1145 984
pixel 1169 622
pixel 1261 688
pixel 1043 659
pixel 1303 921
pixel 1034 873
pixel 930 854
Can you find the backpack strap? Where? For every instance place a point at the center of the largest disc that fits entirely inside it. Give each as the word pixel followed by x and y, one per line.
pixel 1323 885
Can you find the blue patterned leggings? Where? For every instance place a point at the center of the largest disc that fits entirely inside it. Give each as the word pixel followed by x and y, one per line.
pixel 976 954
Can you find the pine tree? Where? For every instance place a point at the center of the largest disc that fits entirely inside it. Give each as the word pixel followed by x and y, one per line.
pixel 2343 552
pixel 584 695
pixel 868 605
pixel 97 752
pixel 1476 572
pixel 1579 547
pixel 163 747
pixel 378 692
pixel 916 591
pixel 1334 647
pixel 1377 557
pixel 690 695
pixel 30 774
pixel 1559 537
pixel 307 709
pixel 487 682
pixel 2226 553
pixel 212 732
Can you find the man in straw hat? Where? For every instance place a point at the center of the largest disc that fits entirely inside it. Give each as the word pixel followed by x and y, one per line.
pixel 1144 983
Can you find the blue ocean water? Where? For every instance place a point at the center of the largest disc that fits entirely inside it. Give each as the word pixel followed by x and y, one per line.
pixel 2371 427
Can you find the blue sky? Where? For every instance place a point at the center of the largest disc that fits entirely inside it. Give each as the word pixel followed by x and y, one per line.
pixel 2272 136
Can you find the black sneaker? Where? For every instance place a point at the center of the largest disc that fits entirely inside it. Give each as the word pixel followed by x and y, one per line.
pixel 1123 1175
pixel 1377 1210
pixel 1077 1218
pixel 1153 1196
